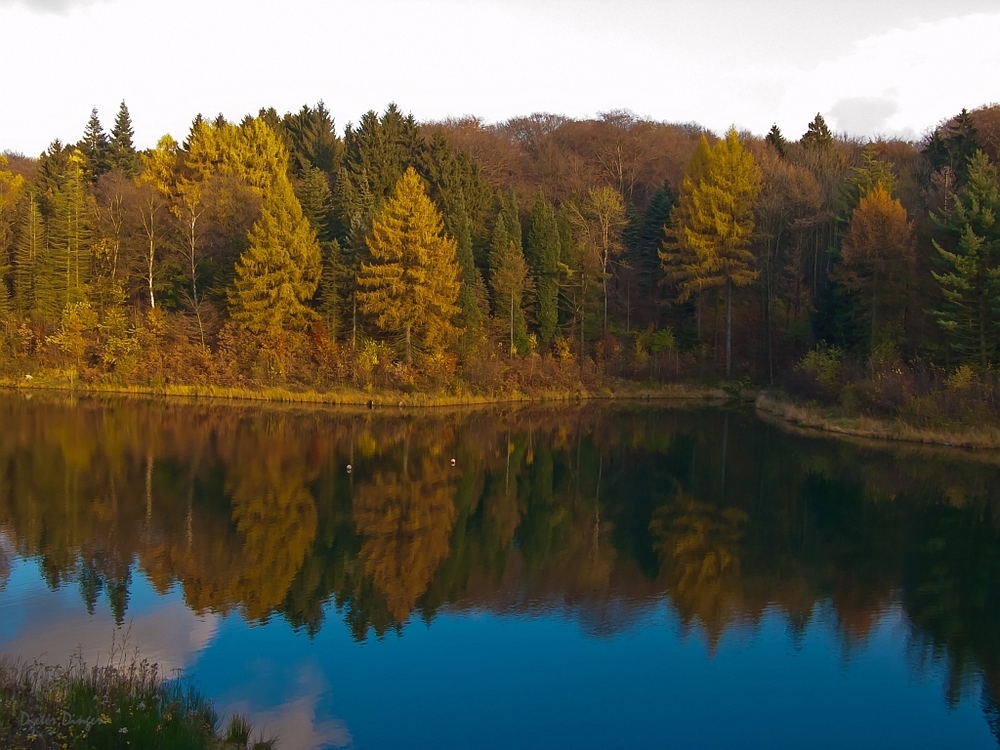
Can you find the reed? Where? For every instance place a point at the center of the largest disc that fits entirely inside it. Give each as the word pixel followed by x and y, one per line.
pixel 126 703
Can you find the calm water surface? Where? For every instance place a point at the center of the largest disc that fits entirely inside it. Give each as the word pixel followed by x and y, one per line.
pixel 580 578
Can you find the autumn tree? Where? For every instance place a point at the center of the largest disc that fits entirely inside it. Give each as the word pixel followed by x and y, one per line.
pixel 876 263
pixel 717 225
pixel 411 284
pixel 12 188
pixel 968 246
pixel 508 282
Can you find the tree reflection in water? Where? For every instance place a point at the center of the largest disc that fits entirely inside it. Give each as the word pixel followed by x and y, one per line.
pixel 595 511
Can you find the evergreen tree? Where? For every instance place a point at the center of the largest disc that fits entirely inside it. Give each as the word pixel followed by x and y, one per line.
pixel 508 281
pixel 94 147
pixel 313 141
pixel 817 135
pixel 411 284
pixel 953 145
pixel 30 250
pixel 121 151
pixel 64 267
pixel 777 140
pixel 654 223
pixel 12 188
pixel 863 178
pixel 543 254
pixel 968 245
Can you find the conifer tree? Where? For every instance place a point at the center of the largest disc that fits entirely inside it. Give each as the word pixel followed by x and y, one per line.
pixel 777 140
pixel 121 151
pixel 279 272
pixel 716 224
pixel 968 245
pixel 508 281
pixel 877 258
pixel 30 250
pixel 94 147
pixel 12 188
pixel 63 271
pixel 817 135
pixel 411 283
pixel 543 254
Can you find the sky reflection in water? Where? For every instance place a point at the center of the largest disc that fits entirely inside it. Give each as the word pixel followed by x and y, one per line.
pixel 582 578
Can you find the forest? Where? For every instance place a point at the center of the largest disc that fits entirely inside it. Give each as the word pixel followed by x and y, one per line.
pixel 541 252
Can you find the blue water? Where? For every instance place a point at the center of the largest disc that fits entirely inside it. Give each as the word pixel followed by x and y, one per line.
pixel 634 579
pixel 500 681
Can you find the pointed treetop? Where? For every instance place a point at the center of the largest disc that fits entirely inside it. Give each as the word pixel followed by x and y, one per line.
pixel 777 140
pixel 818 134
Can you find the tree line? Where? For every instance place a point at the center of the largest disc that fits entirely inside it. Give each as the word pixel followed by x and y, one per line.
pixel 414 254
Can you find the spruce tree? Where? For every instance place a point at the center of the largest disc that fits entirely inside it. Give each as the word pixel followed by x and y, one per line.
pixel 30 249
pixel 777 140
pixel 817 135
pixel 543 254
pixel 968 246
pixel 508 282
pixel 411 284
pixel 121 151
pixel 95 147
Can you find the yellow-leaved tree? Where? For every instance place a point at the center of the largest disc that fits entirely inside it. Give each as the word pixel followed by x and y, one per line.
pixel 714 225
pixel 410 287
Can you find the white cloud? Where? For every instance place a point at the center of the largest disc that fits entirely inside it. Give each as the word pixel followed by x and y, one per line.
pixel 720 62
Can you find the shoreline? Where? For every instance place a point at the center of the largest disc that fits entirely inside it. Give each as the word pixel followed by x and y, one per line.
pixel 373 399
pixel 813 421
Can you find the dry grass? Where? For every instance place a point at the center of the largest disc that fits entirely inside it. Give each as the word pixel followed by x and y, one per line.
pixel 812 418
pixel 347 397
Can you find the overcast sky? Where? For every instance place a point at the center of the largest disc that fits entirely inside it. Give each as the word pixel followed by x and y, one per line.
pixel 894 67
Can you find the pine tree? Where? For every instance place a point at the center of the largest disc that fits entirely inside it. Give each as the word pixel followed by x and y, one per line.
pixel 411 284
pixel 543 254
pixel 968 244
pixel 777 140
pixel 655 221
pixel 121 151
pixel 871 172
pixel 94 147
pixel 817 135
pixel 508 281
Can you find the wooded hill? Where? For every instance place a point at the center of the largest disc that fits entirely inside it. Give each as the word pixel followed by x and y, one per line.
pixel 529 253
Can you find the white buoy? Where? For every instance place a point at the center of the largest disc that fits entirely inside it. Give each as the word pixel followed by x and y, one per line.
pixel 349 468
pixel 453 462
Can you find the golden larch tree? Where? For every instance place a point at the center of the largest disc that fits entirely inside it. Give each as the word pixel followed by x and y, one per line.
pixel 410 287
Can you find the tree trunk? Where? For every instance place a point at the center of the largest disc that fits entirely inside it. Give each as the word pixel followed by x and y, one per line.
pixel 512 325
pixel 409 355
pixel 729 327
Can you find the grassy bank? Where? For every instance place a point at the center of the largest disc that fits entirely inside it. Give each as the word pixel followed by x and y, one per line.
pixel 815 419
pixel 120 705
pixel 347 397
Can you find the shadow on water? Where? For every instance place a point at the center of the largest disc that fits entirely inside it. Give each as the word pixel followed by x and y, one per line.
pixel 598 513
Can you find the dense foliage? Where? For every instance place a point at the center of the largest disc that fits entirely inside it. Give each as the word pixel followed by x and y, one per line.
pixel 458 254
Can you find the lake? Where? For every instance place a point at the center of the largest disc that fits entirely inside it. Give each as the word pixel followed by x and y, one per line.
pixel 591 576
